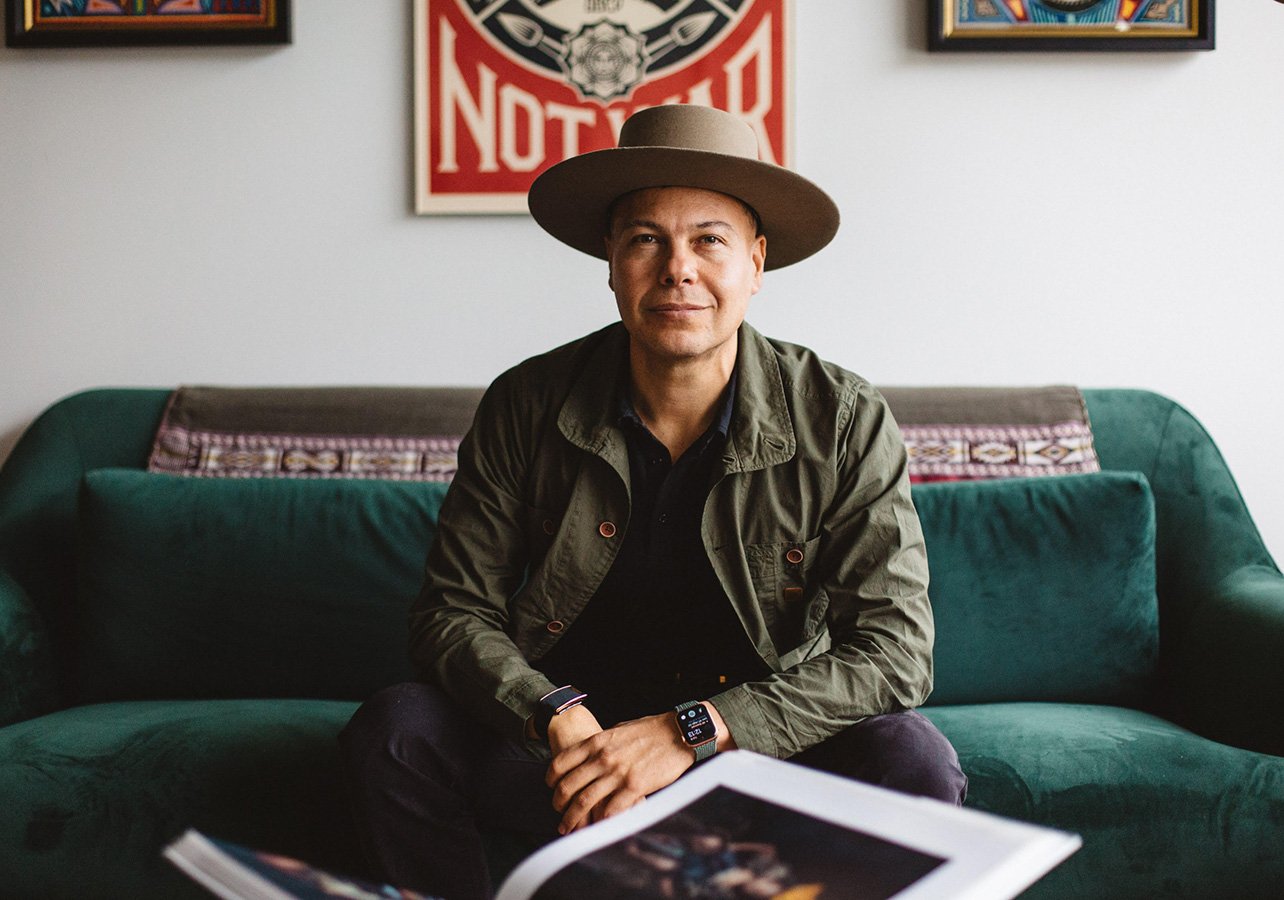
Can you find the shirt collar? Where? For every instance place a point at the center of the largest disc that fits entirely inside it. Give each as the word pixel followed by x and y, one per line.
pixel 721 426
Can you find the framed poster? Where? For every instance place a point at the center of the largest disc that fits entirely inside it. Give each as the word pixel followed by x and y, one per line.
pixel 506 88
pixel 85 23
pixel 1070 24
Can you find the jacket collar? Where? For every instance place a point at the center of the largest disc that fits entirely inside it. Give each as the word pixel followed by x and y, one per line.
pixel 761 433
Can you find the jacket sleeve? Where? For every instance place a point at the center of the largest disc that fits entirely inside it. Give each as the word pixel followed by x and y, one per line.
pixel 458 624
pixel 873 574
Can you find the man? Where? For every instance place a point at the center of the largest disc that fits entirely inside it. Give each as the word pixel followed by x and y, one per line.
pixel 669 539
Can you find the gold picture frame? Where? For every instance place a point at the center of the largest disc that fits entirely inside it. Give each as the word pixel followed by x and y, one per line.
pixel 94 23
pixel 1070 25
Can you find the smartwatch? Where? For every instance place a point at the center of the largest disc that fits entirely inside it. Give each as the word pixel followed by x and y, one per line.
pixel 697 728
pixel 554 703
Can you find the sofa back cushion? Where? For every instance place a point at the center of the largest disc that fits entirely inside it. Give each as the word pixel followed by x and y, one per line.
pixel 1042 588
pixel 205 588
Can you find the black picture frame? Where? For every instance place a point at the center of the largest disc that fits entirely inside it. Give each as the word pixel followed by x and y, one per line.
pixel 945 33
pixel 26 26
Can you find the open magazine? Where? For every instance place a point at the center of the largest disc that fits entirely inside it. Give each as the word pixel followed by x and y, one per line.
pixel 739 826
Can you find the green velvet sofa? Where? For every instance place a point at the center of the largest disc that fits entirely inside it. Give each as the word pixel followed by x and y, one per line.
pixel 181 652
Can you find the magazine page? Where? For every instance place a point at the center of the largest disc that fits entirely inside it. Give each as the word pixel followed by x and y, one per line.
pixel 746 826
pixel 238 873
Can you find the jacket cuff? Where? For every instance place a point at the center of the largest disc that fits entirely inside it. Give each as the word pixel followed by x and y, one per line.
pixel 746 721
pixel 522 699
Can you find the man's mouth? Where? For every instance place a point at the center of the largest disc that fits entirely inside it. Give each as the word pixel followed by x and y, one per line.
pixel 677 308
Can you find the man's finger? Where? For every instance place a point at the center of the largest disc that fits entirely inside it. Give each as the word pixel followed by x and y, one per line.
pixel 571 784
pixel 615 804
pixel 566 761
pixel 578 812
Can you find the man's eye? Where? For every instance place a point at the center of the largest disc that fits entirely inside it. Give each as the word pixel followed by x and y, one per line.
pixel 711 239
pixel 644 239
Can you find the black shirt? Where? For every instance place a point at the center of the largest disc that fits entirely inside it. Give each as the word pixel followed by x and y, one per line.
pixel 660 630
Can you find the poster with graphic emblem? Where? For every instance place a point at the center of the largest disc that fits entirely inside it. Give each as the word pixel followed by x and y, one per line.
pixel 506 88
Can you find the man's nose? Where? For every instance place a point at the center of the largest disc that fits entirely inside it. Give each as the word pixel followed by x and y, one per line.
pixel 679 265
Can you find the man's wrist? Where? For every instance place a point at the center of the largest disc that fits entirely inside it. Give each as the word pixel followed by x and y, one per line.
pixel 552 705
pixel 568 719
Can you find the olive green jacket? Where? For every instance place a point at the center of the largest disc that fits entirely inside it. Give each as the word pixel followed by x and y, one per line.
pixel 809 526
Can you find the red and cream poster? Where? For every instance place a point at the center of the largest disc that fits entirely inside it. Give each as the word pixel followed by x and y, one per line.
pixel 506 88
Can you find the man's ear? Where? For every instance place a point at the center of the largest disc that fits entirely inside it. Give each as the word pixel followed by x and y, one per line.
pixel 606 239
pixel 759 253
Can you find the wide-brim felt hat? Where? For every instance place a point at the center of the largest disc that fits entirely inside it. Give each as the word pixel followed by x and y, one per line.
pixel 684 146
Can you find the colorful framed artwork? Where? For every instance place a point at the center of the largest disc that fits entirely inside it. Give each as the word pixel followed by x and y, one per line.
pixel 87 23
pixel 506 88
pixel 1070 24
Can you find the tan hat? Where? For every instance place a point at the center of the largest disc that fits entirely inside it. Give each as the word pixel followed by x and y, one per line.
pixel 684 146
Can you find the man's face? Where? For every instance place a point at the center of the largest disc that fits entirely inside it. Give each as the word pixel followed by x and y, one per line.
pixel 683 264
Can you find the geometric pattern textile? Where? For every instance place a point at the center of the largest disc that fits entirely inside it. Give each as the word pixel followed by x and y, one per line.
pixel 413 434
pixel 395 433
pixel 972 452
pixel 209 454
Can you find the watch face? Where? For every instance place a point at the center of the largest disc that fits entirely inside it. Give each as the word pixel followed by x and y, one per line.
pixel 696 726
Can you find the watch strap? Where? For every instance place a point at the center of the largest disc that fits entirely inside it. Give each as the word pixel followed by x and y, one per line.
pixel 554 703
pixel 705 750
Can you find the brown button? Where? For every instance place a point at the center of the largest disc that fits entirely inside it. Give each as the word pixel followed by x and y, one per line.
pixel 793 593
pixel 555 626
pixel 794 556
pixel 549 527
pixel 606 529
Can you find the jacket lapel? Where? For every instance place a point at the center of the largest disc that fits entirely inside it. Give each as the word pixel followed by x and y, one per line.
pixel 588 417
pixel 762 431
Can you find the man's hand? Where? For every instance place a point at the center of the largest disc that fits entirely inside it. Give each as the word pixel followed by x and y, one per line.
pixel 615 769
pixel 607 772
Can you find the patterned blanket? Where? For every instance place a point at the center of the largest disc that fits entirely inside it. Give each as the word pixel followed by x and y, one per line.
pixel 413 434
pixel 961 434
pixel 407 434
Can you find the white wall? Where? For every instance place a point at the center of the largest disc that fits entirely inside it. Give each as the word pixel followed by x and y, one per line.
pixel 242 216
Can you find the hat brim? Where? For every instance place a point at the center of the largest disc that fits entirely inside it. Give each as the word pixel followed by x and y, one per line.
pixel 570 200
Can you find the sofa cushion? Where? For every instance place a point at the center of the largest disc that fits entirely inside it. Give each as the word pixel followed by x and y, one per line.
pixel 93 793
pixel 1042 589
pixel 1163 811
pixel 247 588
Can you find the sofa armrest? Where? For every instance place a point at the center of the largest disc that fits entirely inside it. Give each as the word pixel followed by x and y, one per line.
pixel 28 683
pixel 1231 667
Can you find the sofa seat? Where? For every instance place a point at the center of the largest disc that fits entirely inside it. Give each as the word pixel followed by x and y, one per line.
pixel 100 788
pixel 1143 793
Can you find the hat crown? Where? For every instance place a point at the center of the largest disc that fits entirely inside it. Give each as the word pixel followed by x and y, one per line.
pixel 689 127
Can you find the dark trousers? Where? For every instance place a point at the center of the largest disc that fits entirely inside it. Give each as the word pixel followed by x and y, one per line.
pixel 424 778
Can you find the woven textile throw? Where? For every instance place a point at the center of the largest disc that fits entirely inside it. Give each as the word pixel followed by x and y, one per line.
pixel 406 434
pixel 413 434
pixel 964 434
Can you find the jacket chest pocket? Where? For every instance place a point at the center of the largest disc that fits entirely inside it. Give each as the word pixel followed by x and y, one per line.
pixel 792 604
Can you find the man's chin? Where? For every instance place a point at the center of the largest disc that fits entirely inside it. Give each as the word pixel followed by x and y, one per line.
pixel 677 349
